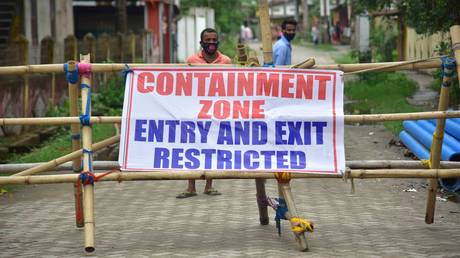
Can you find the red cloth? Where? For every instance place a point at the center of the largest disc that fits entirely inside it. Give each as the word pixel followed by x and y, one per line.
pixel 199 59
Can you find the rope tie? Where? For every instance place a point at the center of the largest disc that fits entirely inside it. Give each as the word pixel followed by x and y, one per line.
pixel 281 209
pixel 71 76
pixel 269 64
pixel 85 119
pixel 262 200
pixel 87 177
pixel 299 225
pixel 127 70
pixel 447 70
pixel 84 69
pixel 90 158
pixel 283 177
pixel 75 136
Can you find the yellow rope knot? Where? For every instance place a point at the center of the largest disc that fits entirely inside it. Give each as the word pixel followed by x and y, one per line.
pixel 283 177
pixel 426 163
pixel 300 225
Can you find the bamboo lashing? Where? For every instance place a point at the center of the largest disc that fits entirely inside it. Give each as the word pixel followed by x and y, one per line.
pixel 87 139
pixel 117 119
pixel 96 68
pixel 69 157
pixel 161 175
pixel 436 147
pixel 72 78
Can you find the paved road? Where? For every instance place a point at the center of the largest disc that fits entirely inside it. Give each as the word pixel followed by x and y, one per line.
pixel 144 219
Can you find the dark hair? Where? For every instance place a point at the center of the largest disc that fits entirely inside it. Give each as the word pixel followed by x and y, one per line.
pixel 286 22
pixel 207 30
pixel 245 23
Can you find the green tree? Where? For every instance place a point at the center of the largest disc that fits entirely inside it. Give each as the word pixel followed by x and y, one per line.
pixel 425 16
pixel 229 14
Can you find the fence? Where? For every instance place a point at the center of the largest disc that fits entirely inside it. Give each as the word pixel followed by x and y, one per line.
pixel 40 92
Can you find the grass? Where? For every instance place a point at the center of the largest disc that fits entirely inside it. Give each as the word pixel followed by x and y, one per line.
pixel 377 93
pixel 347 58
pixel 60 145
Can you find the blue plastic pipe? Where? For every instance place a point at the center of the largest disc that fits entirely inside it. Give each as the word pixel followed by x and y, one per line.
pixel 452 142
pixel 425 138
pixel 413 145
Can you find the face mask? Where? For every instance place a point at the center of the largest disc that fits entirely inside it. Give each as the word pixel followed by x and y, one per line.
pixel 209 48
pixel 289 36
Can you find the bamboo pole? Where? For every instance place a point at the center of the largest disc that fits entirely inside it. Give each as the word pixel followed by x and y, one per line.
pixel 87 139
pixel 61 160
pixel 161 175
pixel 117 119
pixel 75 130
pixel 101 67
pixel 436 147
pixel 264 21
pixel 284 191
pixel 353 164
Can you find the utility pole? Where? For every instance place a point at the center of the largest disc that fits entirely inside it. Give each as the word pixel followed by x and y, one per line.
pixel 305 25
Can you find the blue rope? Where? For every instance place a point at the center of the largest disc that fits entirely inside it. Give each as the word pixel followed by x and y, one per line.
pixel 90 158
pixel 87 178
pixel 271 64
pixel 125 73
pixel 281 210
pixel 447 68
pixel 75 136
pixel 86 117
pixel 72 76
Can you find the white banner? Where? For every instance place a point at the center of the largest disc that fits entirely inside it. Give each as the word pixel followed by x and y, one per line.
pixel 251 119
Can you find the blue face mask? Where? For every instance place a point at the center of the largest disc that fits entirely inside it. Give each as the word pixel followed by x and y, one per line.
pixel 209 48
pixel 289 36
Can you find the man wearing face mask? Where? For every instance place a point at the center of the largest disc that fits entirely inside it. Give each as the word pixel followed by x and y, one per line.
pixel 209 53
pixel 282 49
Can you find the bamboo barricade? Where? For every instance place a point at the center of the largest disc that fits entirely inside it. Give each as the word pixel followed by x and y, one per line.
pixel 75 131
pixel 435 154
pixel 87 139
pixel 97 68
pixel 352 164
pixel 117 119
pixel 161 175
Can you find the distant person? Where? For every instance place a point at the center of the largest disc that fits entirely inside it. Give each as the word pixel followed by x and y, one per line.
pixel 207 55
pixel 282 49
pixel 247 33
pixel 338 32
pixel 315 34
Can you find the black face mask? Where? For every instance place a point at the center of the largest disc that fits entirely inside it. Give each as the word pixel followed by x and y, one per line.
pixel 289 36
pixel 209 48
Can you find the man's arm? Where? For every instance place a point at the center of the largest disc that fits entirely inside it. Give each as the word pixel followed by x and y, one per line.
pixel 280 54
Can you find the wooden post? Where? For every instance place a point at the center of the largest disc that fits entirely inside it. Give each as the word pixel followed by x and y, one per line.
pixel 89 46
pixel 264 20
pixel 436 147
pixel 75 131
pixel 47 57
pixel 88 189
pixel 70 48
pixel 23 46
pixel 119 37
pixel 104 46
pixel 132 46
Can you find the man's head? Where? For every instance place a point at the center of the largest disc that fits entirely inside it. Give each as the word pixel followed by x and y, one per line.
pixel 288 27
pixel 209 41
